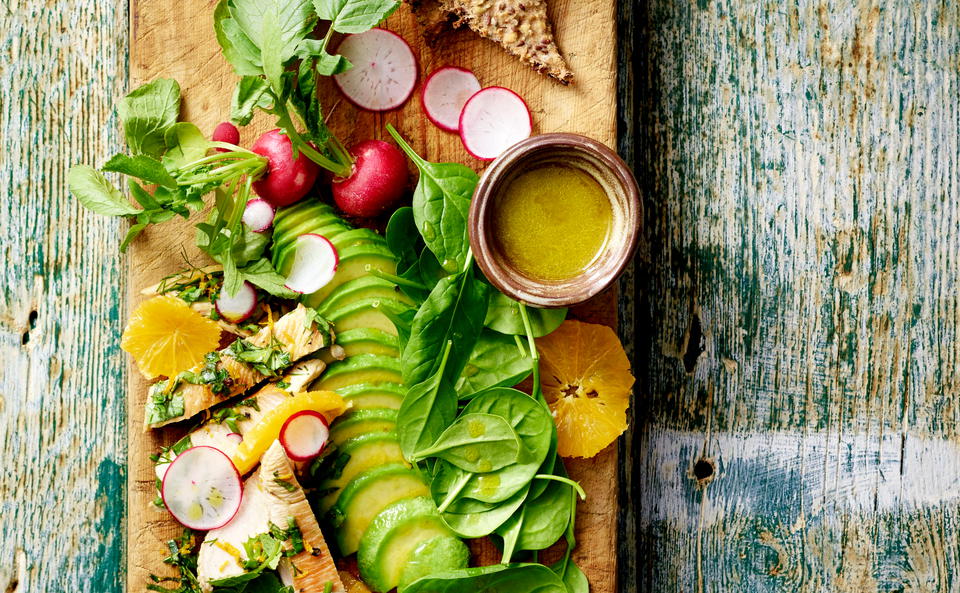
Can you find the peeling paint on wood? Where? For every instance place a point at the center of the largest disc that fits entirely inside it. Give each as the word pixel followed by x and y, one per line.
pixel 801 167
pixel 62 418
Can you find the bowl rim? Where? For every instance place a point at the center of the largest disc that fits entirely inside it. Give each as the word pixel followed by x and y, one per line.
pixel 581 288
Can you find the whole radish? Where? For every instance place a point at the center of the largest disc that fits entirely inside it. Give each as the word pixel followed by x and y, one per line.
pixel 226 132
pixel 287 179
pixel 377 181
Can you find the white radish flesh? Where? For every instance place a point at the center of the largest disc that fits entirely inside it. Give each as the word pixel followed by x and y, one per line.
pixel 493 120
pixel 258 215
pixel 384 70
pixel 444 95
pixel 315 262
pixel 304 435
pixel 202 488
pixel 237 307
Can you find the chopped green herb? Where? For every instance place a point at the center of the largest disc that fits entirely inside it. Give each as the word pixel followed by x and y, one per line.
pixel 284 483
pixel 283 384
pixel 183 556
pixel 212 374
pixel 268 360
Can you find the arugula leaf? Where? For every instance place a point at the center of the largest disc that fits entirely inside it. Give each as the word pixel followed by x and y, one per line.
pixel 276 27
pixel 141 166
pixel 96 193
pixel 146 114
pixel 237 48
pixel 354 16
pixel 251 93
pixel 441 206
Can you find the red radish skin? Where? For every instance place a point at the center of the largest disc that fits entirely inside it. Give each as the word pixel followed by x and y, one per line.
pixel 493 120
pixel 304 435
pixel 384 71
pixel 315 262
pixel 287 179
pixel 235 437
pixel 199 475
pixel 258 215
pixel 445 93
pixel 238 307
pixel 377 182
pixel 226 132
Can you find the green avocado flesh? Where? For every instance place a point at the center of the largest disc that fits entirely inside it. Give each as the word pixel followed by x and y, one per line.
pixel 360 422
pixel 363 340
pixel 373 395
pixel 368 494
pixel 365 368
pixel 442 553
pixel 357 455
pixel 366 313
pixel 355 262
pixel 393 536
pixel 359 289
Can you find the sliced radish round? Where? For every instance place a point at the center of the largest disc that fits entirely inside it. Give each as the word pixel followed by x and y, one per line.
pixel 445 93
pixel 315 262
pixel 235 437
pixel 202 488
pixel 258 215
pixel 237 307
pixel 493 120
pixel 304 435
pixel 384 70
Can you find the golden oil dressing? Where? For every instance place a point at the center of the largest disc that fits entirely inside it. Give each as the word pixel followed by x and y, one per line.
pixel 552 221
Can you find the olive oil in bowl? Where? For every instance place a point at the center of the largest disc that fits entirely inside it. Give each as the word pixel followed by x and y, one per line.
pixel 551 222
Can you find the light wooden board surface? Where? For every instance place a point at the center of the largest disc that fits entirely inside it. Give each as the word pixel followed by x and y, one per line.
pixel 800 328
pixel 175 40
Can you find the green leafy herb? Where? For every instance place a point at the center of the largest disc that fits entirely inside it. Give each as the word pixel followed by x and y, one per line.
pixel 516 578
pixel 163 404
pixel 285 484
pixel 96 193
pixel 268 360
pixel 211 374
pixel 354 16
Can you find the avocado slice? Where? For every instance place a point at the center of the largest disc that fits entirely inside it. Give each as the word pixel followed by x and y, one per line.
pixel 367 313
pixel 359 236
pixel 373 395
pixel 355 456
pixel 392 537
pixel 368 494
pixel 365 368
pixel 435 555
pixel 358 289
pixel 355 261
pixel 304 211
pixel 360 422
pixel 363 340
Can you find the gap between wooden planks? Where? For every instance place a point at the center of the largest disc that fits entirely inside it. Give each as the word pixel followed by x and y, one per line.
pixel 176 40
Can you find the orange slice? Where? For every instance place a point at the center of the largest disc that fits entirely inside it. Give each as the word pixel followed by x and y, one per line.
pixel 258 439
pixel 165 336
pixel 587 383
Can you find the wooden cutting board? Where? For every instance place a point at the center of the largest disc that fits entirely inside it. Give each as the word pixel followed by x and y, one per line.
pixel 175 39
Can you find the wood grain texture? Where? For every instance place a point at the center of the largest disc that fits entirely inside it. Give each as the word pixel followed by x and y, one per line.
pixel 176 41
pixel 62 427
pixel 801 312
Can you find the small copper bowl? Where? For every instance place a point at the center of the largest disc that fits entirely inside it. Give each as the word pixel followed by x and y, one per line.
pixel 569 150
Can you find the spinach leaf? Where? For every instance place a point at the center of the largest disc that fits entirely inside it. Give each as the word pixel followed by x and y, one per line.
pixel 354 16
pixel 96 193
pixel 546 516
pixel 426 410
pixel 510 532
pixel 402 238
pixel 251 93
pixel 497 361
pixel 515 578
pixel 454 312
pixel 470 518
pixel 572 576
pixel 237 48
pixel 142 166
pixel 476 443
pixel 276 27
pixel 441 206
pixel 503 315
pixel 147 113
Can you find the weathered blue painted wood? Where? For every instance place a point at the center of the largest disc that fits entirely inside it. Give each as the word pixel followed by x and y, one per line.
pixel 799 343
pixel 62 411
